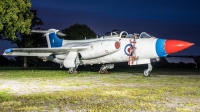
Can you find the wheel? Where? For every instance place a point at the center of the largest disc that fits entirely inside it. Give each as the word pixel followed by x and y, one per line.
pixel 146 73
pixel 103 71
pixel 71 70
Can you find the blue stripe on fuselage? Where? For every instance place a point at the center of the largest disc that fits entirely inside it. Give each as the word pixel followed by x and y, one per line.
pixel 160 48
pixel 54 40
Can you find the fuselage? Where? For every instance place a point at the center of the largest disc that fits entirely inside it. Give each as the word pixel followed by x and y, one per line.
pixel 118 48
pixel 114 49
pixel 122 54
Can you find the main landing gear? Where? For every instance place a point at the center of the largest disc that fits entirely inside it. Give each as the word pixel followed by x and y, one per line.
pixel 76 63
pixel 72 70
pixel 104 68
pixel 148 71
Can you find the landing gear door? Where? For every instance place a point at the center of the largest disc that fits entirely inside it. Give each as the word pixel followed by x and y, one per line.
pixel 71 61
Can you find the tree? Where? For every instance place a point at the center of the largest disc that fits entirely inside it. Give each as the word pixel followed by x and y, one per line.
pixel 3 60
pixel 78 31
pixel 30 40
pixel 15 17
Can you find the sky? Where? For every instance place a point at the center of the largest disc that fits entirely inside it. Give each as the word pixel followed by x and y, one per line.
pixel 169 19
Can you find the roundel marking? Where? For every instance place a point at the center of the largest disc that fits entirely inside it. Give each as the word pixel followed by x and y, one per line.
pixel 127 49
pixel 117 45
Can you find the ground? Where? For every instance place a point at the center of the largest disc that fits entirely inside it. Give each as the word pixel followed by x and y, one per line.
pixel 56 90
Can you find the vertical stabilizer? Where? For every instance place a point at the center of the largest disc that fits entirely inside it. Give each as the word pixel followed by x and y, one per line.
pixel 52 39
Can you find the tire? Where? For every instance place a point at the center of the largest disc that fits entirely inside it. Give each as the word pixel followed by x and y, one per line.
pixel 71 70
pixel 102 71
pixel 146 73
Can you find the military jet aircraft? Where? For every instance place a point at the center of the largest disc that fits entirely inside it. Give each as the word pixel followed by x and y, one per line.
pixel 135 49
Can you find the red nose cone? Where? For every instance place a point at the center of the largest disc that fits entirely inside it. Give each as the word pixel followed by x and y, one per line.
pixel 173 46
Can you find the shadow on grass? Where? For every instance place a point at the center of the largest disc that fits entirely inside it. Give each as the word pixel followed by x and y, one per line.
pixel 116 69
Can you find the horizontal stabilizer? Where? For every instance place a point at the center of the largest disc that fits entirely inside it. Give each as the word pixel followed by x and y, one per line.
pixel 49 31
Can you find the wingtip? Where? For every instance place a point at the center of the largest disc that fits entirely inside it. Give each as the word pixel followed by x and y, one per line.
pixel 8 50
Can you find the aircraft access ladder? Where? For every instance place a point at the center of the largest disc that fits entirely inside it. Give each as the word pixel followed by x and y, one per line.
pixel 132 53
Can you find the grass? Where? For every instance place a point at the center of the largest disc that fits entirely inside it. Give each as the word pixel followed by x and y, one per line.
pixel 56 74
pixel 165 90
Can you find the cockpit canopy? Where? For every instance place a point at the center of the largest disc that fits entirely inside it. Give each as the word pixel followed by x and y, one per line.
pixel 145 35
pixel 124 34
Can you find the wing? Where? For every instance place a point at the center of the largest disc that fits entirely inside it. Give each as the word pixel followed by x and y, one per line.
pixel 42 51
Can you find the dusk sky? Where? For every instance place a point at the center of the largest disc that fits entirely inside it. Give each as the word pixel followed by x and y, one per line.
pixel 170 19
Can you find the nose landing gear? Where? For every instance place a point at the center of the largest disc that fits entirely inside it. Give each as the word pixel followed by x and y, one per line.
pixel 147 72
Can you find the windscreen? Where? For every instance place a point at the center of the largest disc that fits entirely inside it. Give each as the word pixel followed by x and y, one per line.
pixel 145 35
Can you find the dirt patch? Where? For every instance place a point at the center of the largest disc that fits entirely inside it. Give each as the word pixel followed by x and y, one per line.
pixel 30 86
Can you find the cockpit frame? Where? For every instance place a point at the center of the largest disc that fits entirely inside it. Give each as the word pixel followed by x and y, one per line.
pixel 146 35
pixel 124 34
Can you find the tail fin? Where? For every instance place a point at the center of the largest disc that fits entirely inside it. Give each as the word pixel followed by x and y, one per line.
pixel 52 39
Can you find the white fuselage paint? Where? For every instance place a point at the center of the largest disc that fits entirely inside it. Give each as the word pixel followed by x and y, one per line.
pixel 99 49
pixel 142 46
pixel 145 50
